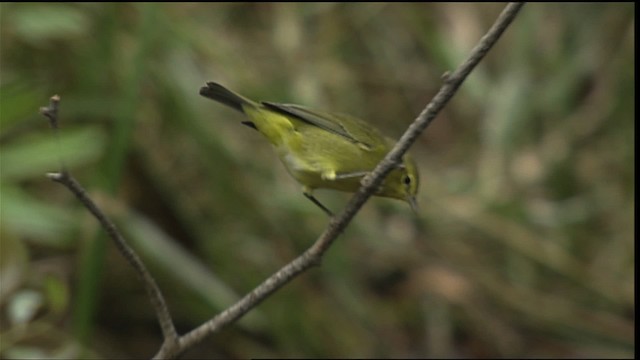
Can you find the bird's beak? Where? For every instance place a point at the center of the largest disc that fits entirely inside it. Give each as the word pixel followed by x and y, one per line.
pixel 414 204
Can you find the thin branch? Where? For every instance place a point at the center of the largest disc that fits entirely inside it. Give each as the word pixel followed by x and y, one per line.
pixel 157 300
pixel 313 255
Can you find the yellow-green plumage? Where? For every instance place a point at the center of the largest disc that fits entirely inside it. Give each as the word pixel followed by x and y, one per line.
pixel 322 150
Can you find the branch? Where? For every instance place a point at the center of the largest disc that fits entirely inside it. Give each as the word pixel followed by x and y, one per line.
pixel 63 177
pixel 173 345
pixel 313 255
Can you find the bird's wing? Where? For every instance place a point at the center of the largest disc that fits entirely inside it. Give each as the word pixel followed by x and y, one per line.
pixel 334 123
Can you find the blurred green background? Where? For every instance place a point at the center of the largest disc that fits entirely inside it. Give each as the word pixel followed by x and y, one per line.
pixel 523 247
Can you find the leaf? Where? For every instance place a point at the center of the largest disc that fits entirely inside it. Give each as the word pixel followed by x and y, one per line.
pixel 41 23
pixel 39 154
pixel 25 216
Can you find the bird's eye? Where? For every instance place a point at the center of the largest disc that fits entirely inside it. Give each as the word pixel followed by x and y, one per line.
pixel 406 180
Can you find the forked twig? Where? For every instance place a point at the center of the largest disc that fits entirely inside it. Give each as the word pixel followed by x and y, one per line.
pixel 63 177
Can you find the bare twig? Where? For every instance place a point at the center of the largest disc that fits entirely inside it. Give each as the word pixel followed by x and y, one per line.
pixel 157 300
pixel 51 111
pixel 313 255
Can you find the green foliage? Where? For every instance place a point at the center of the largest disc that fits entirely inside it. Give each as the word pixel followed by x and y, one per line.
pixel 523 247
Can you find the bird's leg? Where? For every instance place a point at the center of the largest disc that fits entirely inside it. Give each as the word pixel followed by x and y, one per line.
pixel 317 202
pixel 354 174
pixel 331 175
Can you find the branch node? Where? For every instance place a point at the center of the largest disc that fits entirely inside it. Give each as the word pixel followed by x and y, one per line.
pixel 51 111
pixel 446 77
pixel 55 176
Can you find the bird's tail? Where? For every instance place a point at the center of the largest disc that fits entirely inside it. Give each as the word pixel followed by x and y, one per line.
pixel 221 94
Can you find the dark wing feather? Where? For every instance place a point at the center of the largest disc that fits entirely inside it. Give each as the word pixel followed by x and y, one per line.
pixel 328 122
pixel 221 94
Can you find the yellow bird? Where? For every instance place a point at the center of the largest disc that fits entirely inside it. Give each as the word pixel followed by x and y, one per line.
pixel 322 150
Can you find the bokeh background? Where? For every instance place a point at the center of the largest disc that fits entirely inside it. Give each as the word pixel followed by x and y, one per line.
pixel 523 246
